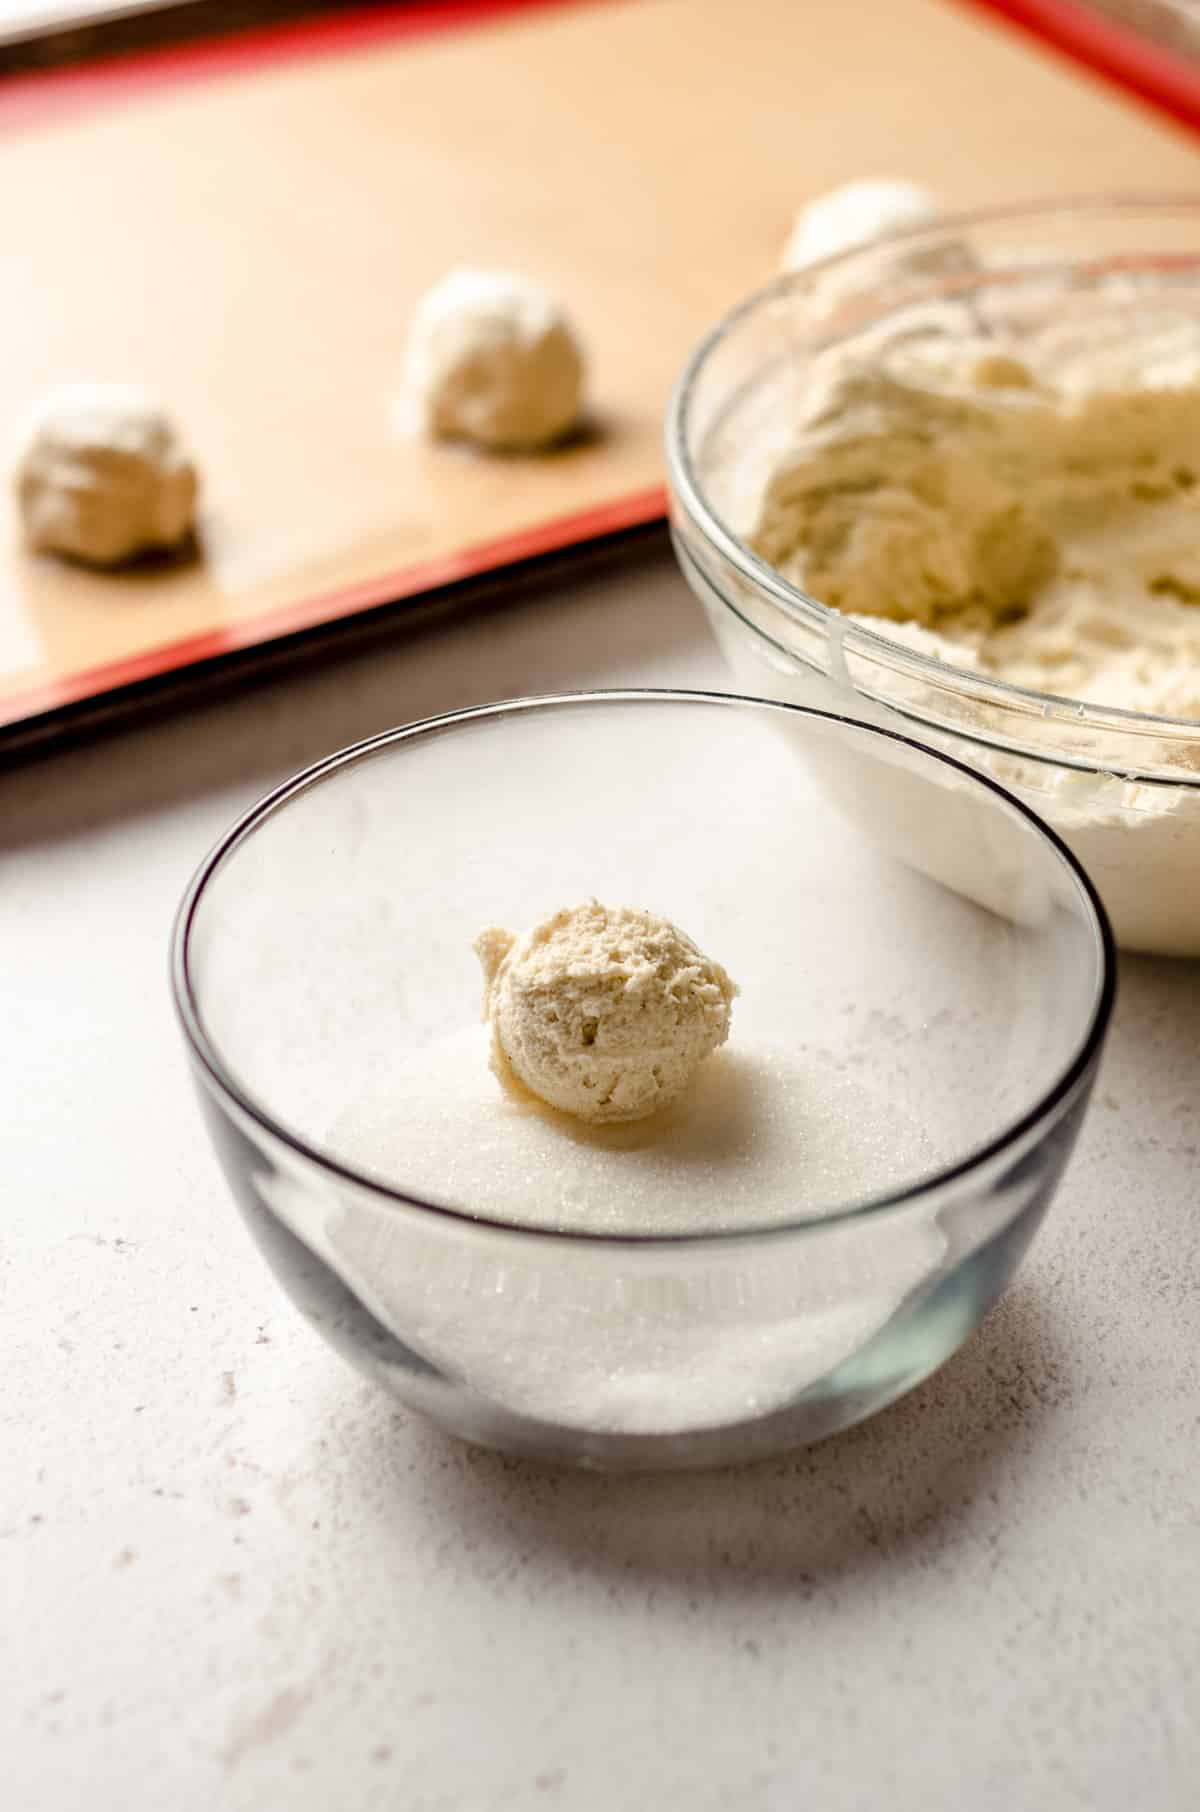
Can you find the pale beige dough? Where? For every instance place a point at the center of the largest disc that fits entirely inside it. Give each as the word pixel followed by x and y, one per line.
pixel 103 477
pixel 854 213
pixel 493 359
pixel 605 1013
pixel 1032 514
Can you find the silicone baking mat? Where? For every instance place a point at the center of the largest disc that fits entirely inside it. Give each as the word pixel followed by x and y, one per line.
pixel 243 228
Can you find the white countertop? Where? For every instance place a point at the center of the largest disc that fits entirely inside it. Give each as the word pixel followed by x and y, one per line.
pixel 232 1575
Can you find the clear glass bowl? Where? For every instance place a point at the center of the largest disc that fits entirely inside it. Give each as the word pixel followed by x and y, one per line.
pixel 1122 789
pixel 945 1040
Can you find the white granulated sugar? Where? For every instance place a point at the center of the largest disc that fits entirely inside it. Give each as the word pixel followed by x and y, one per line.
pixel 764 1136
pixel 761 1137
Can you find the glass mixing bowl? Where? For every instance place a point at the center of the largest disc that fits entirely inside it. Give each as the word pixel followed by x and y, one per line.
pixel 1121 789
pixel 945 1037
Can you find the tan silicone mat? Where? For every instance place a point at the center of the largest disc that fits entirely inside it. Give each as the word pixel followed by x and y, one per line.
pixel 245 232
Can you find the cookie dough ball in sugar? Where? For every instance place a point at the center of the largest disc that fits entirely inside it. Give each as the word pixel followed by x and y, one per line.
pixel 603 1012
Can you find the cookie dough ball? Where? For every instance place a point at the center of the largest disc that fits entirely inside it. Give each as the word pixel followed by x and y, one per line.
pixel 854 214
pixel 493 359
pixel 603 1012
pixel 103 477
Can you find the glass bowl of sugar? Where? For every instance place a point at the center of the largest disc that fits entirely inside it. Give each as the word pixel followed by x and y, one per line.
pixel 817 1222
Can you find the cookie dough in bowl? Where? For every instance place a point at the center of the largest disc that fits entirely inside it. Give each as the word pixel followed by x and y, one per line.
pixel 968 506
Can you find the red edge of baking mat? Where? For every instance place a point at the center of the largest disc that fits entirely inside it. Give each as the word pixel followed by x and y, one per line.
pixel 548 537
pixel 1108 48
pixel 1105 45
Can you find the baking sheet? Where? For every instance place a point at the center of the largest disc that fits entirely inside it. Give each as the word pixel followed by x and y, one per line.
pixel 244 232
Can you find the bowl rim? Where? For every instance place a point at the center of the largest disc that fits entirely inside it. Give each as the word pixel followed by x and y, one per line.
pixel 232 1092
pixel 689 495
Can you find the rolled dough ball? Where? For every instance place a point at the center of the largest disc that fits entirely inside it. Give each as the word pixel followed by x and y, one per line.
pixel 493 359
pixel 604 1012
pixel 854 214
pixel 103 477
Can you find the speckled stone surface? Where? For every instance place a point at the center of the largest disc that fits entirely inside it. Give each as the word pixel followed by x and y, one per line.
pixel 233 1576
